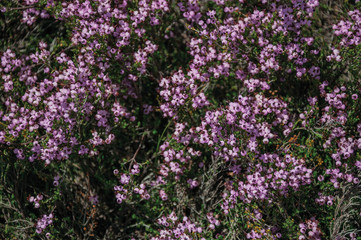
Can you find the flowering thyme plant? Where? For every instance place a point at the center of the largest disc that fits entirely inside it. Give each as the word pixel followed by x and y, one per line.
pixel 184 119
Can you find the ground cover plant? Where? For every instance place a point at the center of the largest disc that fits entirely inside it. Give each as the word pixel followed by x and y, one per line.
pixel 180 119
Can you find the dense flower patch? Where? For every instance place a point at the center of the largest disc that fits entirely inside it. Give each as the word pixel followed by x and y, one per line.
pixel 187 119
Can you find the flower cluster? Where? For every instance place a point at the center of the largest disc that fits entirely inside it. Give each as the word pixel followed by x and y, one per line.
pixel 310 229
pixel 44 222
pixel 36 200
pixel 177 229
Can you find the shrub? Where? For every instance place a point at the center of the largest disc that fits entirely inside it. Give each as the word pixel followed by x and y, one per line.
pixel 180 119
